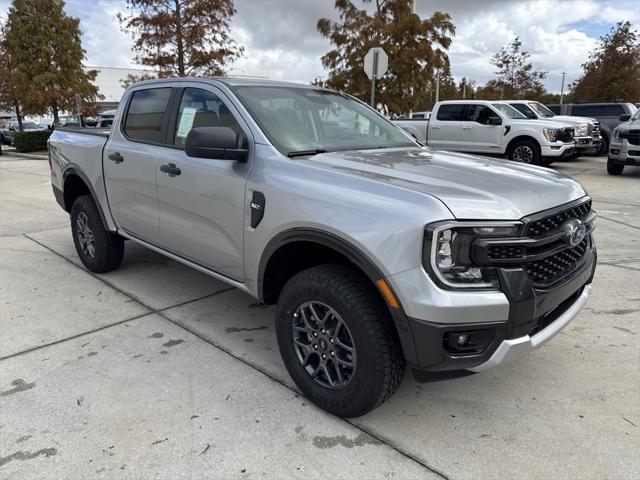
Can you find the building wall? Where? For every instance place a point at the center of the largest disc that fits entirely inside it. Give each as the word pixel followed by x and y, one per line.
pixel 109 83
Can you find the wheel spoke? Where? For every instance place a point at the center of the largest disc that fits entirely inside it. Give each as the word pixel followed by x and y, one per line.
pixel 336 368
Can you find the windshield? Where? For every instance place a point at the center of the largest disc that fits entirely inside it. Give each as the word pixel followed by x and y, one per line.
pixel 636 116
pixel 508 111
pixel 541 110
pixel 298 120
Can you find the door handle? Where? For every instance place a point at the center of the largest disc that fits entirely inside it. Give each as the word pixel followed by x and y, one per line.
pixel 435 127
pixel 467 128
pixel 170 169
pixel 116 157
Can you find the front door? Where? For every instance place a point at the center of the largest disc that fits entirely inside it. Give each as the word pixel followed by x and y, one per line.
pixel 130 163
pixel 202 205
pixel 444 127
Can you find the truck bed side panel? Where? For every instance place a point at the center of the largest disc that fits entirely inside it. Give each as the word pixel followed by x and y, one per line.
pixel 80 152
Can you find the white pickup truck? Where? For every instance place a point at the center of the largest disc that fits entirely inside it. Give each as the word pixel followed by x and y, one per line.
pixel 494 128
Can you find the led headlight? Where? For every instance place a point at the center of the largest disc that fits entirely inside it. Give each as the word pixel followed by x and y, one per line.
pixel 581 129
pixel 550 133
pixel 616 134
pixel 446 252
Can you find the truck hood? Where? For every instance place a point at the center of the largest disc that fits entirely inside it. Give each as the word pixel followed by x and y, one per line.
pixel 543 123
pixel 472 187
pixel 569 119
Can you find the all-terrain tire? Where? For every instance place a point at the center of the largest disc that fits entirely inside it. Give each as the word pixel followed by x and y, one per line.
pixel 380 364
pixel 106 249
pixel 614 168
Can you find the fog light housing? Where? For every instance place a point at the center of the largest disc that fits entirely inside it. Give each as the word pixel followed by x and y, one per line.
pixel 468 342
pixel 615 151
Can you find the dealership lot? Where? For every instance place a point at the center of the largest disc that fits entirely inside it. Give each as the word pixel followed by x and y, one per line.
pixel 156 370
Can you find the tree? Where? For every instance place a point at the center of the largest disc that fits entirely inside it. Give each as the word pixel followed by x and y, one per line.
pixel 182 37
pixel 516 76
pixel 415 48
pixel 9 93
pixel 44 45
pixel 448 89
pixel 131 78
pixel 613 69
pixel 492 90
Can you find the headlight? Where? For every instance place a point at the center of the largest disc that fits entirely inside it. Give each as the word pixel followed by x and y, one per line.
pixel 446 252
pixel 581 129
pixel 550 133
pixel 616 134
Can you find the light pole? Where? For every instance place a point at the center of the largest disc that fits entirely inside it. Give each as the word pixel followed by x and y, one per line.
pixel 562 88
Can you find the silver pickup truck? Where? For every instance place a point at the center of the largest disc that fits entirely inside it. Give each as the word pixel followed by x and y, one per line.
pixel 379 253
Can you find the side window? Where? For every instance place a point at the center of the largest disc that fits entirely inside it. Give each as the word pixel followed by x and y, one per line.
pixel 523 109
pixel 201 108
pixel 146 114
pixel 480 114
pixel 450 113
pixel 554 108
pixel 589 110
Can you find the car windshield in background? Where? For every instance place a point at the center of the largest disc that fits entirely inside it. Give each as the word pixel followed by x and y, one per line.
pixel 541 110
pixel 636 116
pixel 301 121
pixel 508 111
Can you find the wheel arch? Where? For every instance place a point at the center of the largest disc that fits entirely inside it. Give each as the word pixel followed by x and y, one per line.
pixel 520 138
pixel 74 184
pixel 331 247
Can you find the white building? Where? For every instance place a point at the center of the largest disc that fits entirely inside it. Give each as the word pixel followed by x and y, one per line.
pixel 109 82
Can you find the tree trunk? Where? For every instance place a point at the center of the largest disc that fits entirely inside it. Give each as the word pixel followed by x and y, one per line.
pixel 56 119
pixel 18 115
pixel 179 40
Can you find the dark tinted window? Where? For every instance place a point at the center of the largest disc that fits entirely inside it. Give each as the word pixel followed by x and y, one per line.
pixel 523 109
pixel 554 108
pixel 480 114
pixel 452 112
pixel 201 108
pixel 613 110
pixel 146 114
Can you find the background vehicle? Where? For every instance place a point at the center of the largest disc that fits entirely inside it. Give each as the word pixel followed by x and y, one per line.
pixel 625 144
pixel 377 252
pixel 608 114
pixel 587 130
pixel 8 132
pixel 492 128
pixel 106 118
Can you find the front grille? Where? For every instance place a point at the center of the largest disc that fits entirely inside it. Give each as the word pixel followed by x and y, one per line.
pixel 543 226
pixel 594 129
pixel 632 136
pixel 506 252
pixel 551 269
pixel 565 135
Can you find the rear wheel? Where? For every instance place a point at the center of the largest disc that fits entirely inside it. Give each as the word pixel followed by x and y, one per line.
pixel 338 341
pixel 99 250
pixel 614 168
pixel 525 151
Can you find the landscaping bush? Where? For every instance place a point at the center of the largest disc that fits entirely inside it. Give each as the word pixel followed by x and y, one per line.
pixel 31 141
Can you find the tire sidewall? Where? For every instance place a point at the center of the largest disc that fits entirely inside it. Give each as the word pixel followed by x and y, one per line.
pixel 535 160
pixel 362 389
pixel 85 204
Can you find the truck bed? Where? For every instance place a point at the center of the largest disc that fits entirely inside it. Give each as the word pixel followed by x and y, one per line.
pixel 417 127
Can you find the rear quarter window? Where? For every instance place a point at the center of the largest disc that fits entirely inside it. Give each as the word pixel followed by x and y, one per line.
pixel 613 110
pixel 146 115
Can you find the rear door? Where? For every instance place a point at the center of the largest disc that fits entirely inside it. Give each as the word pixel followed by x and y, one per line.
pixel 202 207
pixel 444 127
pixel 477 133
pixel 130 161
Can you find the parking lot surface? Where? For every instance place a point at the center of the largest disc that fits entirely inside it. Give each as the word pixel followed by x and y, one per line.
pixel 158 371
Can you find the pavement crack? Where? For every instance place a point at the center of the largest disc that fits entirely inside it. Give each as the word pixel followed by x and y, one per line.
pixel 618 221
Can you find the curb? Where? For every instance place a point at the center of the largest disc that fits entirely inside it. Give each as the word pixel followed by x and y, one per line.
pixel 10 153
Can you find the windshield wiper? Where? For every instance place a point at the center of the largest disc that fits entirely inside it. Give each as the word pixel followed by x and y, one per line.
pixel 304 153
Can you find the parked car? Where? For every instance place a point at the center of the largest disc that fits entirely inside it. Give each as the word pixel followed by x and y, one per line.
pixel 494 128
pixel 106 118
pixel 625 144
pixel 608 114
pixel 377 252
pixel 8 132
pixel 587 130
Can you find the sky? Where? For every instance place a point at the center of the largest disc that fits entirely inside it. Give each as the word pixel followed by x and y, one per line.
pixel 281 41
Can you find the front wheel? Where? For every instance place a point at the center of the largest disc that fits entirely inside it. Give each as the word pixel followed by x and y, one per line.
pixel 337 340
pixel 614 168
pixel 525 151
pixel 99 250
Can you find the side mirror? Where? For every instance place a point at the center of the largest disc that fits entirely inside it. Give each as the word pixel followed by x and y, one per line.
pixel 625 117
pixel 220 143
pixel 494 121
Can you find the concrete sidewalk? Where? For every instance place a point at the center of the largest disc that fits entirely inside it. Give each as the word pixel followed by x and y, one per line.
pixel 156 370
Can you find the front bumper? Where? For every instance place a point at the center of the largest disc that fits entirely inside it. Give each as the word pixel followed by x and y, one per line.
pixel 587 143
pixel 559 151
pixel 624 153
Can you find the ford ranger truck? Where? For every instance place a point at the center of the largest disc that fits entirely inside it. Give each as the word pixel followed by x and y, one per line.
pixel 625 144
pixel 586 130
pixel 378 253
pixel 492 128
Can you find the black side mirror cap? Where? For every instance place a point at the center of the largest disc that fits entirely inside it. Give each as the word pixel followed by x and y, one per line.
pixel 219 143
pixel 625 117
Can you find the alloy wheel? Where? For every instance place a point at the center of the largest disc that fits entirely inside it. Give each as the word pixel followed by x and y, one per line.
pixel 85 235
pixel 523 154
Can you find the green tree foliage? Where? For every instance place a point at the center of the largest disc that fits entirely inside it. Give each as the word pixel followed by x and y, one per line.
pixel 9 92
pixel 516 77
pixel 44 45
pixel 416 48
pixel 182 37
pixel 613 69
